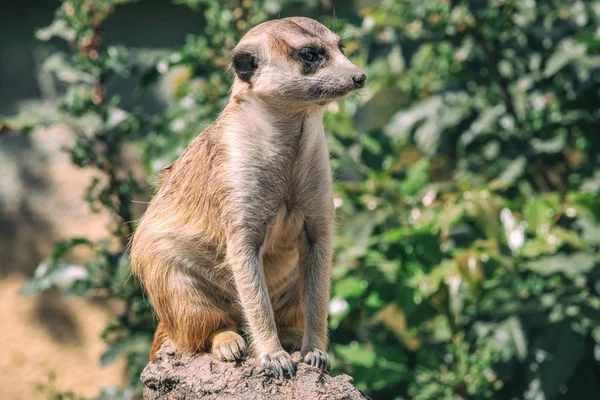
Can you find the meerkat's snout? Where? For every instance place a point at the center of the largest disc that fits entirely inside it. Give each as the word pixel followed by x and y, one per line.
pixel 359 79
pixel 297 60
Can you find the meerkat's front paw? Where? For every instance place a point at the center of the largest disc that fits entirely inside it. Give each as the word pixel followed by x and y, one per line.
pixel 228 346
pixel 318 358
pixel 278 362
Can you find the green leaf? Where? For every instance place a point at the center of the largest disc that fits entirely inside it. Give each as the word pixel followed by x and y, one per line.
pixel 569 265
pixel 374 300
pixel 350 287
pixel 511 340
pixel 404 120
pixel 356 354
pixel 592 184
pixel 590 230
pixel 58 28
pixel 568 237
pixel 417 177
pixel 32 115
pixel 396 235
pixel 566 353
pixel 538 246
pixel 539 213
pixel 549 146
pixel 513 171
pixel 451 215
pixel 66 72
pixel 54 274
pixel 430 283
pixel 63 247
pixel 565 53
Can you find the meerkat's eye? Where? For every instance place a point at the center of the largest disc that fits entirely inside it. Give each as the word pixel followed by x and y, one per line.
pixel 309 54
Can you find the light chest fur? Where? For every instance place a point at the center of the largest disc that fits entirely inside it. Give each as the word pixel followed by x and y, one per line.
pixel 278 170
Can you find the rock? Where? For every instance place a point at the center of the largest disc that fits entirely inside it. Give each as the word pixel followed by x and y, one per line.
pixel 177 376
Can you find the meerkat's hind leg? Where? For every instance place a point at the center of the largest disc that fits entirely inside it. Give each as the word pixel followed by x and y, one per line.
pixel 160 335
pixel 228 345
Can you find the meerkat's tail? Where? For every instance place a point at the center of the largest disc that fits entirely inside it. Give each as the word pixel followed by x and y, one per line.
pixel 159 337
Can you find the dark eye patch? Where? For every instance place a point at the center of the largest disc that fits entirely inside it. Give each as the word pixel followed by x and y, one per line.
pixel 310 57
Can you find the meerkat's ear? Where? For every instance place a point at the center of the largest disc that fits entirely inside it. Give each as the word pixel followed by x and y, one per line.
pixel 245 62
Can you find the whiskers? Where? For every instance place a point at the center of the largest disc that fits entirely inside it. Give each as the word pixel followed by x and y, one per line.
pixel 362 95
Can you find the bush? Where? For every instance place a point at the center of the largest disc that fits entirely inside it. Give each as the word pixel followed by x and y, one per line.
pixel 467 254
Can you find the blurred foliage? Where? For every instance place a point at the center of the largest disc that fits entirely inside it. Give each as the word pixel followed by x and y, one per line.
pixel 467 254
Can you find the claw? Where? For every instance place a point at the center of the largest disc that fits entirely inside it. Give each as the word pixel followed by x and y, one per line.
pixel 290 369
pixel 228 346
pixel 279 363
pixel 235 348
pixel 317 358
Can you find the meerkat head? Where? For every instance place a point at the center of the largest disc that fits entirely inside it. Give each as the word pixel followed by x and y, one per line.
pixel 295 60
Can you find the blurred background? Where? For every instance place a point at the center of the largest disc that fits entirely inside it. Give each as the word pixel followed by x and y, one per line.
pixel 467 188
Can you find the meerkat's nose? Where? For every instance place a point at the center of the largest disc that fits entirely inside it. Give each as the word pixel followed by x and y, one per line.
pixel 359 79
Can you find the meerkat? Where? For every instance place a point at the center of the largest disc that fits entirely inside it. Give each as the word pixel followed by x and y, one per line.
pixel 236 243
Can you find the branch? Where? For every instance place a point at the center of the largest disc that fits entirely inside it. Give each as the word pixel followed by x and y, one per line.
pixel 198 376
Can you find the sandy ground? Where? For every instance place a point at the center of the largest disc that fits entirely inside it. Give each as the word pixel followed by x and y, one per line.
pixel 47 334
pixel 41 201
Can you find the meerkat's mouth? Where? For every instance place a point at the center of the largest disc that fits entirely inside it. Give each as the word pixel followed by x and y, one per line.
pixel 326 95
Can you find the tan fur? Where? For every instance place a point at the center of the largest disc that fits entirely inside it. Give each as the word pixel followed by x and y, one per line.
pixel 238 236
pixel 159 337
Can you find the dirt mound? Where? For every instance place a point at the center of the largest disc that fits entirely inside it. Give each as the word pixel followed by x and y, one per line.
pixel 199 376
